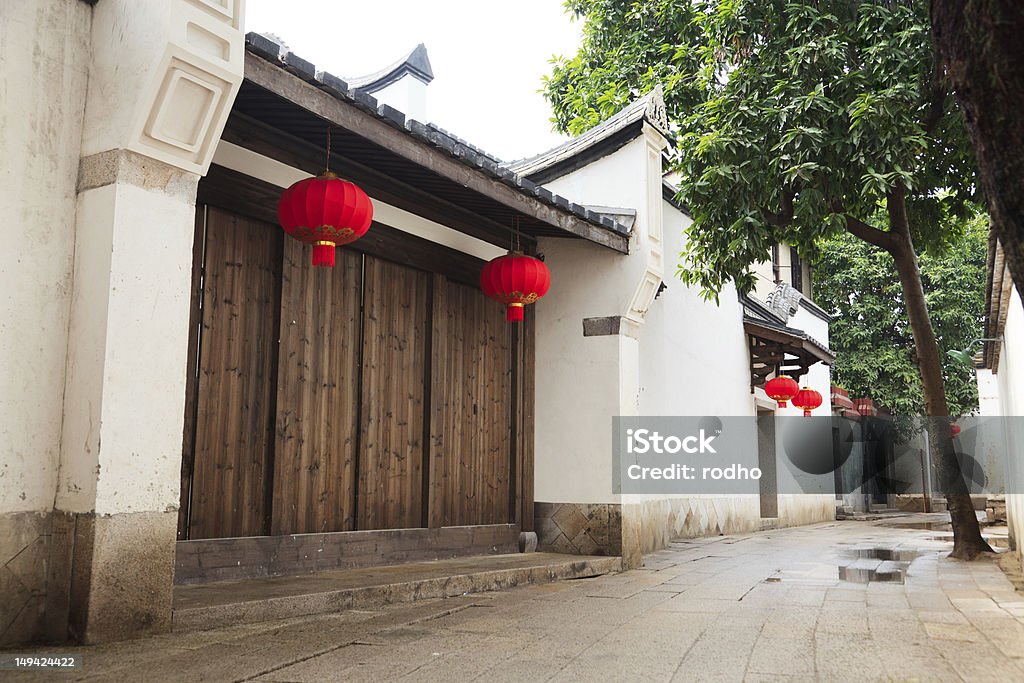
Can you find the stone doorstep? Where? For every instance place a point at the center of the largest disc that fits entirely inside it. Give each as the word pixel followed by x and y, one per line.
pixel 213 605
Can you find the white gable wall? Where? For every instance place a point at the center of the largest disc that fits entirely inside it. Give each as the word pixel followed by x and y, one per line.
pixel 408 95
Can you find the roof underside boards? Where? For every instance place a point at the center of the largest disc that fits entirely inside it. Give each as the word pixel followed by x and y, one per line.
pixel 286 94
pixel 999 288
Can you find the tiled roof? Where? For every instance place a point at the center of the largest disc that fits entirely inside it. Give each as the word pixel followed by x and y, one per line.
pixel 650 108
pixel 469 155
pixel 756 312
pixel 416 63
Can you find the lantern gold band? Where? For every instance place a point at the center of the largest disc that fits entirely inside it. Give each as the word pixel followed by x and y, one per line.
pixel 515 304
pixel 324 244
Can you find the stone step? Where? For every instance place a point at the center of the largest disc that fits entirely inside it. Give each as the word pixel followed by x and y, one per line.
pixel 199 607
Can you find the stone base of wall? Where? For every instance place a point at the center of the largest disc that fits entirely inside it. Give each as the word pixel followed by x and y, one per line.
pixel 35 571
pixel 579 528
pixel 85 577
pixel 123 569
pixel 630 530
pixel 668 519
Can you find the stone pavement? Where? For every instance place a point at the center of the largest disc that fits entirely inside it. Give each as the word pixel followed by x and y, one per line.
pixel 758 607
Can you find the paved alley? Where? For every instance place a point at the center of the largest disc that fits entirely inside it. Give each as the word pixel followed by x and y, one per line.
pixel 767 606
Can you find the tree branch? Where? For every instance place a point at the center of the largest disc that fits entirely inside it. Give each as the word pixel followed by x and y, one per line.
pixel 862 230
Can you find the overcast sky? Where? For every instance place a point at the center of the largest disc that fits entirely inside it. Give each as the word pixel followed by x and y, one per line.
pixel 488 56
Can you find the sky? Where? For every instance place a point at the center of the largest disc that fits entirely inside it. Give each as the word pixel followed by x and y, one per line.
pixel 488 56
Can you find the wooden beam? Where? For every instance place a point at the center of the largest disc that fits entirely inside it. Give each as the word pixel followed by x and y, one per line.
pixel 346 115
pixel 298 153
pixel 248 196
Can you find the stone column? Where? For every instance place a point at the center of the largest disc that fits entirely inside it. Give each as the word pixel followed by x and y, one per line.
pixel 125 392
pixel 162 79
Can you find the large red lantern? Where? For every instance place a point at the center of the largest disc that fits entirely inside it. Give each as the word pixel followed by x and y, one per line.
pixel 326 212
pixel 515 280
pixel 808 400
pixel 782 389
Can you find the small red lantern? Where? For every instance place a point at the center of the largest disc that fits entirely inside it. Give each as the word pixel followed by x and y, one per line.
pixel 515 280
pixel 954 428
pixel 326 212
pixel 782 389
pixel 807 399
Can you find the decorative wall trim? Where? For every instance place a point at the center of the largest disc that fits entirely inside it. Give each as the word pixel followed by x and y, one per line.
pixel 132 168
pixel 602 327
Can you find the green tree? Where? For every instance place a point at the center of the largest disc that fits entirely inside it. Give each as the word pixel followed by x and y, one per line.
pixel 794 121
pixel 857 283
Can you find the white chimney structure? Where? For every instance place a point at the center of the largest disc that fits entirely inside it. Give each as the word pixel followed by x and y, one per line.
pixel 403 85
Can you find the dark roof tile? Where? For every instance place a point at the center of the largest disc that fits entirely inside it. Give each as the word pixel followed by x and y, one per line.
pixel 392 114
pixel 334 84
pixel 300 66
pixel 263 46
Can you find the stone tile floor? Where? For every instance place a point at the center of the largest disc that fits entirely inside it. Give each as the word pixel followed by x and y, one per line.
pixel 757 607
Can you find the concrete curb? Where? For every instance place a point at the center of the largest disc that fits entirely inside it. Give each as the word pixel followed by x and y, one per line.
pixel 365 597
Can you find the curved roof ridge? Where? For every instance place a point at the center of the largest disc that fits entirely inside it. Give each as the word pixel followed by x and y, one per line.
pixel 650 108
pixel 416 64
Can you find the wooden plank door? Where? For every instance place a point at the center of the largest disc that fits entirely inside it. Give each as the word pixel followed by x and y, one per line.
pixel 236 382
pixel 472 413
pixel 318 394
pixel 396 329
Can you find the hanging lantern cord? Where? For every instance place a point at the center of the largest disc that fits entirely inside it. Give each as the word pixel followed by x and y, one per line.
pixel 327 166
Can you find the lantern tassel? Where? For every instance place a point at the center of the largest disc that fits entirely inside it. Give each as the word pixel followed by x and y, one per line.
pixel 323 254
pixel 514 313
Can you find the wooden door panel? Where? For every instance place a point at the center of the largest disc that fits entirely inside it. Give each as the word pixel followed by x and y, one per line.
pixel 236 378
pixel 472 429
pixel 318 394
pixel 396 327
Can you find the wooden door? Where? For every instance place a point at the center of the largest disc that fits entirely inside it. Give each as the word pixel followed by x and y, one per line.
pixel 396 329
pixel 235 382
pixel 317 394
pixel 369 396
pixel 471 477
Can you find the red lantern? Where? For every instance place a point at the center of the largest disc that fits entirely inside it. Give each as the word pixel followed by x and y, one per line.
pixel 954 428
pixel 808 400
pixel 781 389
pixel 515 280
pixel 326 212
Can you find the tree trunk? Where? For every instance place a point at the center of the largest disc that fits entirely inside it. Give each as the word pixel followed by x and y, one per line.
pixel 981 44
pixel 967 540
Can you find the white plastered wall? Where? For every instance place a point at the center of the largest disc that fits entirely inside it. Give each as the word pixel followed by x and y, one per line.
pixel 1010 379
pixel 686 356
pixel 44 64
pixel 582 382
